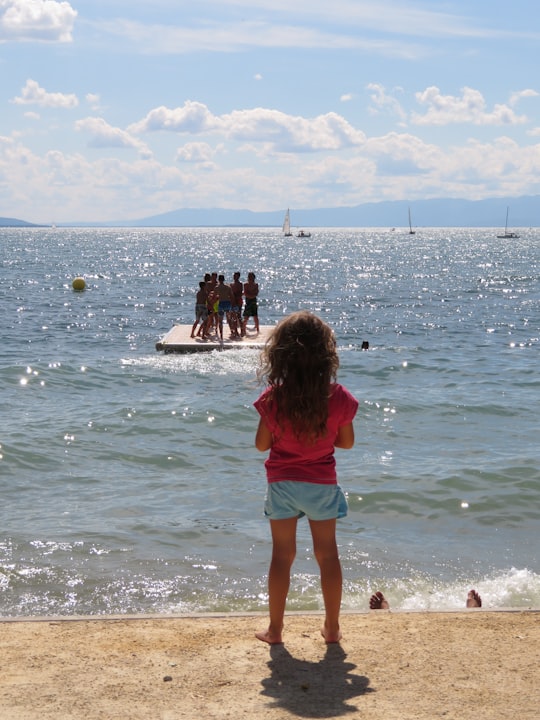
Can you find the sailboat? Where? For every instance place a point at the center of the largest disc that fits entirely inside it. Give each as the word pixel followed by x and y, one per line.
pixel 506 233
pixel 287 227
pixel 411 231
pixel 287 224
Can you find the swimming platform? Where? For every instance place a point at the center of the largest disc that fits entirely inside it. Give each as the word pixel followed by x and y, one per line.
pixel 179 340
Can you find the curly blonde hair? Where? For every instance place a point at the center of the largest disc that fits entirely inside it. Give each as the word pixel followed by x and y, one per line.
pixel 299 362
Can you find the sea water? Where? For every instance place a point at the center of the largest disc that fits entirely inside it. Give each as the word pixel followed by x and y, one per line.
pixel 129 478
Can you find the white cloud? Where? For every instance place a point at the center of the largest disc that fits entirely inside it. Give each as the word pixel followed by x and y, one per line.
pixel 376 15
pixel 470 107
pixel 104 135
pixel 391 166
pixel 517 96
pixel 228 37
pixel 397 166
pixel 284 132
pixel 33 94
pixel 390 28
pixel 62 186
pixel 41 20
pixel 196 152
pixel 381 101
pixel 93 100
pixel 399 156
pixel 193 117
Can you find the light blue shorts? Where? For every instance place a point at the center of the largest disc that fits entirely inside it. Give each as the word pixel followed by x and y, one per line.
pixel 291 498
pixel 201 312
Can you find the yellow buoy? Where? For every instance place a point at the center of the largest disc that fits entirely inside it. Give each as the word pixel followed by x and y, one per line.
pixel 78 283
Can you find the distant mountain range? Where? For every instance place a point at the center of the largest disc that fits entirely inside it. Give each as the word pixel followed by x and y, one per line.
pixel 524 212
pixel 13 222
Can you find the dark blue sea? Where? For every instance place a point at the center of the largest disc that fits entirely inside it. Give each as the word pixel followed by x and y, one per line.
pixel 129 480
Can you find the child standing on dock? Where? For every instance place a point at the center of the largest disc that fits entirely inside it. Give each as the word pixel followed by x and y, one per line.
pixel 212 302
pixel 225 299
pixel 237 288
pixel 304 415
pixel 251 292
pixel 201 311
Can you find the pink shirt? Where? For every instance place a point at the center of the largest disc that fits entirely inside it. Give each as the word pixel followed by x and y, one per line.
pixel 290 459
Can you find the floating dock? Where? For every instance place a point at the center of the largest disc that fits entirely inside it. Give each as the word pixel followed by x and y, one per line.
pixel 179 340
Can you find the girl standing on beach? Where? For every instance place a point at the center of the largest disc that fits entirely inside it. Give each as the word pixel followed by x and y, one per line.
pixel 304 415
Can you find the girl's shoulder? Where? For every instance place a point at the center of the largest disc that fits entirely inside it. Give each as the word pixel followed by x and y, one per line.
pixel 340 395
pixel 338 389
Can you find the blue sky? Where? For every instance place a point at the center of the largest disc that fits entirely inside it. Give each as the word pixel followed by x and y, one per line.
pixel 118 110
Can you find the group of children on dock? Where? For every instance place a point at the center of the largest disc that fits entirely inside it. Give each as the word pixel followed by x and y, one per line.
pixel 216 300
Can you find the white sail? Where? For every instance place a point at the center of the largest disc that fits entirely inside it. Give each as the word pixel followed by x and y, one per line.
pixel 287 224
pixel 411 231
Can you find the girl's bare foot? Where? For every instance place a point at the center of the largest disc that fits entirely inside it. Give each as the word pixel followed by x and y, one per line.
pixel 378 602
pixel 331 637
pixel 269 637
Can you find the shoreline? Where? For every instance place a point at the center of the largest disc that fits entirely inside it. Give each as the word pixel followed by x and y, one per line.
pixel 250 614
pixel 398 665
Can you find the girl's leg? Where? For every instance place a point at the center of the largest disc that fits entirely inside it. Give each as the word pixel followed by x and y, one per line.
pixel 279 575
pixel 326 553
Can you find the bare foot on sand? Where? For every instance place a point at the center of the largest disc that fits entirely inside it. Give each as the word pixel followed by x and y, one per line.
pixel 269 637
pixel 378 602
pixel 331 637
pixel 473 599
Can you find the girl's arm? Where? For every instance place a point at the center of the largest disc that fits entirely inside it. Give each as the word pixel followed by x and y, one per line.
pixel 345 437
pixel 263 437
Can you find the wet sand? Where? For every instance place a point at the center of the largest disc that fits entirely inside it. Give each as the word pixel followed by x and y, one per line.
pixel 389 666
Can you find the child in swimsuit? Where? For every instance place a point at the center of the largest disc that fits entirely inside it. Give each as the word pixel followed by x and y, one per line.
pixel 251 291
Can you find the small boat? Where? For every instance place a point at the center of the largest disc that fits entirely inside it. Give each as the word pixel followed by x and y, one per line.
pixel 507 234
pixel 303 233
pixel 411 231
pixel 287 224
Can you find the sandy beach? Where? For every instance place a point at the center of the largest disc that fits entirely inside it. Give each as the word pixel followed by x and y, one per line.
pixel 454 665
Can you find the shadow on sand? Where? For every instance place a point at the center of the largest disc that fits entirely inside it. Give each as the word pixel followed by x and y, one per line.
pixel 313 689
